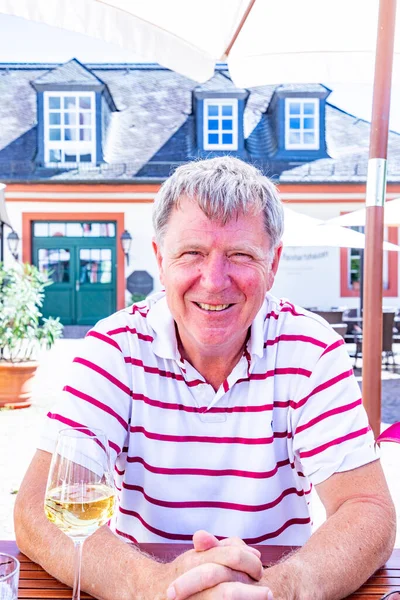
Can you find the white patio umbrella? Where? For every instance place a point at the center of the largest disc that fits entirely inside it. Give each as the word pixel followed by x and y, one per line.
pixel 265 42
pixel 262 41
pixel 302 230
pixel 357 218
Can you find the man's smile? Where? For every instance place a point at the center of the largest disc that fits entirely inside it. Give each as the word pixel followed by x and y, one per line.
pixel 213 307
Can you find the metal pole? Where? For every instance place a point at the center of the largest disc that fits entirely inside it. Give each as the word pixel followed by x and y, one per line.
pixel 375 199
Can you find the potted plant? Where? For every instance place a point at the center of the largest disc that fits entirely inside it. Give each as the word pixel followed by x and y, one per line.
pixel 22 331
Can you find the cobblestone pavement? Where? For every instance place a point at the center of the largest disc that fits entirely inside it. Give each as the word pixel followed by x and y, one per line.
pixel 20 429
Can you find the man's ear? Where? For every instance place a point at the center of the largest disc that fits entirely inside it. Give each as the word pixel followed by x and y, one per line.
pixel 274 265
pixel 159 258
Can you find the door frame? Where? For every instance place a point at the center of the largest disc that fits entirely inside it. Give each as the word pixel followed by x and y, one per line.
pixel 119 218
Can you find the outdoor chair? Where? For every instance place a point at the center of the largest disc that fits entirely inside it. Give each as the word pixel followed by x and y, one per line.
pixel 387 341
pixel 340 328
pixel 332 316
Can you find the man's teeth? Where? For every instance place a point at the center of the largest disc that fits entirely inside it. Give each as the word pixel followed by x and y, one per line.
pixel 213 306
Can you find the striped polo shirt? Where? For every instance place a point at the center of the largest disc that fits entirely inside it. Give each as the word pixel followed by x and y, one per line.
pixel 237 462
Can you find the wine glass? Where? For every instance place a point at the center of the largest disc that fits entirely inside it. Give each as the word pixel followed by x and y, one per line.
pixel 80 492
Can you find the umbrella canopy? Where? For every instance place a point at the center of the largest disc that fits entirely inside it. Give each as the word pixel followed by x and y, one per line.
pixel 302 230
pixel 357 218
pixel 263 41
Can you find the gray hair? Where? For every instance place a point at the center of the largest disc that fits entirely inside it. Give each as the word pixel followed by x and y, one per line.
pixel 223 187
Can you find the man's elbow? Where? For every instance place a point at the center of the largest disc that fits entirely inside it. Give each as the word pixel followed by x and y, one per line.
pixel 25 526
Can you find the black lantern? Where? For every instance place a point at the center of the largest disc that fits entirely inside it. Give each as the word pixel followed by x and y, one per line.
pixel 4 219
pixel 13 242
pixel 126 241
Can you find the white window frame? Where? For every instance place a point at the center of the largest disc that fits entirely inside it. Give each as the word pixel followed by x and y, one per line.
pixel 71 146
pixel 233 102
pixel 302 145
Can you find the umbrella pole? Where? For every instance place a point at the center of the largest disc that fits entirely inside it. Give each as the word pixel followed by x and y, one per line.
pixel 375 199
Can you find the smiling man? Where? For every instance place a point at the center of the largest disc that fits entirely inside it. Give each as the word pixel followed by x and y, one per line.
pixel 223 406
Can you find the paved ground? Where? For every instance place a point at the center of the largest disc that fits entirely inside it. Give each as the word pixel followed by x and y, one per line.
pixel 19 430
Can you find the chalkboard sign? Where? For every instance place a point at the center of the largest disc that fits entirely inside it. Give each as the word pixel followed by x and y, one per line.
pixel 140 282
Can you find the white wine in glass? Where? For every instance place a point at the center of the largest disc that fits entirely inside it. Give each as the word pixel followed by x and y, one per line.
pixel 80 492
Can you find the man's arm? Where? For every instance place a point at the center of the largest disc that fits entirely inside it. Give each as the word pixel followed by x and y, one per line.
pixel 355 540
pixel 111 568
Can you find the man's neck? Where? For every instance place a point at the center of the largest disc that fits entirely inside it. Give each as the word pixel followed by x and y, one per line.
pixel 215 368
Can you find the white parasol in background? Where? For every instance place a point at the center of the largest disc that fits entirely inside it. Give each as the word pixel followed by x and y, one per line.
pixel 357 218
pixel 302 230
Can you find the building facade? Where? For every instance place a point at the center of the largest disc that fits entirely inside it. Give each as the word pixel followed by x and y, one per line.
pixel 84 149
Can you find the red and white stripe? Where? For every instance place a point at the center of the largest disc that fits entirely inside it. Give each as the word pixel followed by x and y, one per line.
pixel 240 461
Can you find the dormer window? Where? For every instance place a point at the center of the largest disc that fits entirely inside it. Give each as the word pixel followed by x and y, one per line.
pixel 69 127
pixel 301 123
pixel 220 124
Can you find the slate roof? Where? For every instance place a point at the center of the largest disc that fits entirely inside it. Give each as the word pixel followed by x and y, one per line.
pixel 153 129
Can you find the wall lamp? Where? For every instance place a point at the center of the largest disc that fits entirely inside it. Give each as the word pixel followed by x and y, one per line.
pixel 13 243
pixel 126 241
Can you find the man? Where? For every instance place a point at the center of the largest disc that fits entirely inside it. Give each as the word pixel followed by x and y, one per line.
pixel 223 405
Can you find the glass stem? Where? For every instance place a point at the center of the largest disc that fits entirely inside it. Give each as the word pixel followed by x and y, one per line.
pixel 76 595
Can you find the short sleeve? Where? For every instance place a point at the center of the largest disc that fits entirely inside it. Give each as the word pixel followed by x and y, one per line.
pixel 97 393
pixel 328 422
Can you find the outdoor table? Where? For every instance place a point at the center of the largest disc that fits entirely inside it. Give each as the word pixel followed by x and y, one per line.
pixel 36 584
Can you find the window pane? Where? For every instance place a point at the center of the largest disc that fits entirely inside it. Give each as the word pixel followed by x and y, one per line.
pixel 107 229
pixel 227 124
pixel 55 155
pixel 85 135
pixel 294 108
pixel 55 262
pixel 294 123
pixel 54 134
pixel 84 102
pixel 95 230
pixel 309 138
pixel 105 254
pixel 74 230
pixel 70 134
pixel 70 157
pixel 54 102
pixel 309 123
pixel 54 118
pixel 41 229
pixel 227 111
pixel 212 110
pixel 69 102
pixel 212 124
pixel 227 138
pixel 85 118
pixel 309 108
pixel 85 158
pixel 294 137
pixel 70 118
pixel 213 138
pixel 56 229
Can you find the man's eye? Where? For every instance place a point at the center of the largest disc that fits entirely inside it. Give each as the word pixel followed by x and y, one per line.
pixel 192 252
pixel 242 255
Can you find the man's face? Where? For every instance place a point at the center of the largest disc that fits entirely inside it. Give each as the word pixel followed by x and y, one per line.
pixel 215 277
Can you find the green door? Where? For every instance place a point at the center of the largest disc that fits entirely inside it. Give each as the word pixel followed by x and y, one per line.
pixel 83 271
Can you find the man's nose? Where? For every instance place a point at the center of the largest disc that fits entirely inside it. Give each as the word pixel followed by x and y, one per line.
pixel 215 272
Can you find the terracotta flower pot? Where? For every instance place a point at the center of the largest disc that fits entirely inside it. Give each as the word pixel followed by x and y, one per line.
pixel 16 383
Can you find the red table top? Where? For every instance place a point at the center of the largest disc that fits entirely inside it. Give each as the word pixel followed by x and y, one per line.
pixel 36 584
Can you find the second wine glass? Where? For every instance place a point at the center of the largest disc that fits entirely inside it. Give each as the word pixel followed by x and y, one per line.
pixel 80 492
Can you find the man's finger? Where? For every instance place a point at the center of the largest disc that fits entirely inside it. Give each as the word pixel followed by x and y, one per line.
pixel 202 540
pixel 235 541
pixel 202 578
pixel 234 591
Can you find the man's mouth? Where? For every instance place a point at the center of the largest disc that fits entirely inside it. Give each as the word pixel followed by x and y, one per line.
pixel 213 307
